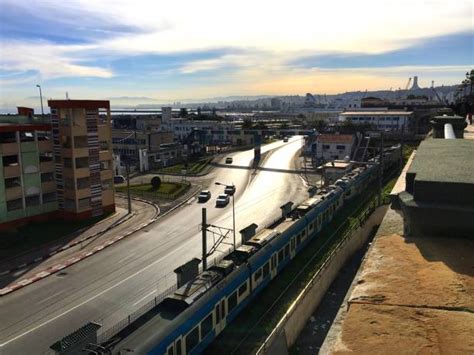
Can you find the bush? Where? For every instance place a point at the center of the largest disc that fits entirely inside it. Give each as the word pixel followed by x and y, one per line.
pixel 155 182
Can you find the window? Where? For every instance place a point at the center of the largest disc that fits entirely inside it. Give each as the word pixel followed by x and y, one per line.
pixel 218 314
pixel 257 275
pixel 206 325
pixel 192 339
pixel 340 147
pixel 32 201
pixel 326 146
pixel 107 184
pixel 170 350
pixel 266 269
pixel 280 256
pixel 47 156
pixel 84 203
pixel 12 182
pixel 10 160
pixel 27 137
pixel 178 347
pixel 15 205
pixel 104 145
pixel 49 197
pixel 69 183
pixel 82 162
pixel 69 204
pixel 232 301
pixel 242 289
pixel 80 142
pixel 7 137
pixel 83 183
pixel 298 239
pixel 67 162
pixel 46 177
pixel 287 250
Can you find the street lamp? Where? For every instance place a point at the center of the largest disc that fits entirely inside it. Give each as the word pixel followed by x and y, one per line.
pixel 233 208
pixel 41 99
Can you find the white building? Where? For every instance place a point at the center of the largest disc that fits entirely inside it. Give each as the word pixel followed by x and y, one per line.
pixel 219 131
pixel 382 120
pixel 334 146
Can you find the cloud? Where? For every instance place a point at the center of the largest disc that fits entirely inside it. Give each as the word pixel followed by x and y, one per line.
pixel 48 60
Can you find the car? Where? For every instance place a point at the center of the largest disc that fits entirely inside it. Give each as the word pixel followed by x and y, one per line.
pixel 229 190
pixel 229 160
pixel 222 200
pixel 204 196
pixel 285 139
pixel 119 179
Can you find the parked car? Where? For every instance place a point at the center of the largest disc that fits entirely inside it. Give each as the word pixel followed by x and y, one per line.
pixel 229 160
pixel 204 196
pixel 222 200
pixel 285 139
pixel 229 190
pixel 119 179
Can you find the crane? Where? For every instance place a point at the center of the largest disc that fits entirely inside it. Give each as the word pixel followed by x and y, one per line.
pixel 408 84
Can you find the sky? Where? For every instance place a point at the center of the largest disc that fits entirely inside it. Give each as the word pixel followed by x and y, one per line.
pixel 144 51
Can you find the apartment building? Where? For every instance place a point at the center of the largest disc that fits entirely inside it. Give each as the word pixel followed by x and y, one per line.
pixel 82 147
pixel 334 146
pixel 27 185
pixel 382 119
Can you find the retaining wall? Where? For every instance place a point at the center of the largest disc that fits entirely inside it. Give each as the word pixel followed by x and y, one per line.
pixel 292 323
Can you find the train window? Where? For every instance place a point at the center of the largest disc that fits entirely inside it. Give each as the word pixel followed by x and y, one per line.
pixel 266 270
pixel 170 350
pixel 287 250
pixel 257 275
pixel 178 347
pixel 280 256
pixel 206 326
pixel 243 289
pixel 192 339
pixel 293 244
pixel 218 314
pixel 298 239
pixel 223 309
pixel 232 301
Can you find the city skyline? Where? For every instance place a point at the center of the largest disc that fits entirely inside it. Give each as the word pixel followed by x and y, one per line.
pixel 189 50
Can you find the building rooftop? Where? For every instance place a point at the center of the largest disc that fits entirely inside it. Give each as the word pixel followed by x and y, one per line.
pixel 411 294
pixel 335 138
pixel 377 113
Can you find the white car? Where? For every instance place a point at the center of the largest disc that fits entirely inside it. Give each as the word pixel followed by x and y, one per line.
pixel 222 200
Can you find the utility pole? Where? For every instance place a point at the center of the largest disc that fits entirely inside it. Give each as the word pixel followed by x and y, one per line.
pixel 128 188
pixel 233 217
pixel 204 240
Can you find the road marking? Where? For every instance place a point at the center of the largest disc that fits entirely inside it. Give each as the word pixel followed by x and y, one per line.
pixel 82 303
pixel 141 299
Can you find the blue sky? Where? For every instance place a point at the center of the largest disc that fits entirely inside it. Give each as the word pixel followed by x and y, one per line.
pixel 194 50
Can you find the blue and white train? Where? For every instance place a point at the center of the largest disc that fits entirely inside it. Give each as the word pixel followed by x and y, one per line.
pixel 187 321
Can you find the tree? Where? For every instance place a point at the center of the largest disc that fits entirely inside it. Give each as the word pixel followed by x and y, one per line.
pixel 155 182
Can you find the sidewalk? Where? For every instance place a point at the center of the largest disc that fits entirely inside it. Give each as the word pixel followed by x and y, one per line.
pixel 32 266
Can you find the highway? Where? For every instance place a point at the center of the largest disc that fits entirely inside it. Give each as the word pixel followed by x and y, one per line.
pixel 107 287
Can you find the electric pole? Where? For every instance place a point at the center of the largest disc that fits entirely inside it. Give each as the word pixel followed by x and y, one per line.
pixel 204 240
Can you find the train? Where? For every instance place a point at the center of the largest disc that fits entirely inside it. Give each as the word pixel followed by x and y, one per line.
pixel 188 320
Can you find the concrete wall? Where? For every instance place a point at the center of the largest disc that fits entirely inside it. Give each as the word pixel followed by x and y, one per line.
pixel 299 312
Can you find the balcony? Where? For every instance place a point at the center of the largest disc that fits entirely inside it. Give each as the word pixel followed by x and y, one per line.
pixel 45 146
pixel 11 170
pixel 47 166
pixel 13 193
pixel 106 174
pixel 48 186
pixel 9 148
pixel 29 146
pixel 104 132
pixel 105 155
pixel 82 172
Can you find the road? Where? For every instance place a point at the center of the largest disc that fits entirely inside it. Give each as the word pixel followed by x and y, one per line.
pixel 107 287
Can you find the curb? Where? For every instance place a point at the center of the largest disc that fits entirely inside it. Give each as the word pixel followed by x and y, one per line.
pixel 73 260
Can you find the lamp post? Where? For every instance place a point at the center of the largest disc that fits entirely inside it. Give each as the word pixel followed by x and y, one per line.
pixel 233 208
pixel 41 98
